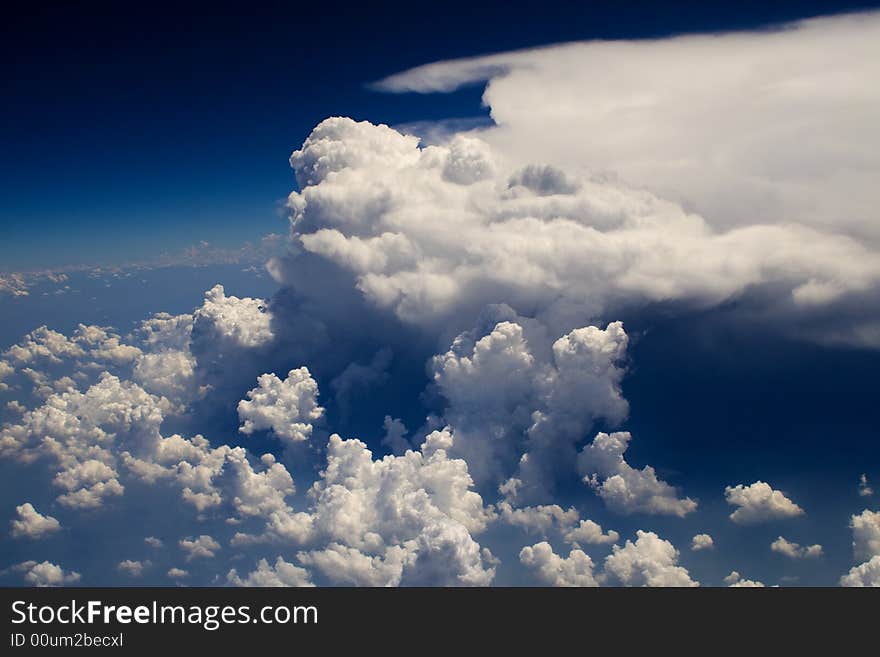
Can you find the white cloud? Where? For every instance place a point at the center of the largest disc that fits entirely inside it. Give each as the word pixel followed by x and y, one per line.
pixel 702 542
pixel 32 524
pixel 794 550
pixel 759 503
pixel 650 561
pixel 652 110
pixel 866 534
pixel 132 568
pixel 865 490
pixel 553 570
pixel 623 488
pixel 589 532
pixel 400 520
pixel 203 546
pixel 47 574
pixel 429 248
pixel 286 407
pixel 177 573
pixel 866 574
pixel 282 573
pixel 242 321
pixel 6 370
pixel 153 542
pixel 504 402
pixel 735 580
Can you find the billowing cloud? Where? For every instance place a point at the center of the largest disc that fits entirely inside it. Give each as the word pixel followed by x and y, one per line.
pixel 866 574
pixel 282 573
pixel 46 573
pixel 567 246
pixel 702 542
pixel 735 580
pixel 649 561
pixel 794 551
pixel 759 503
pixel 203 546
pixel 623 488
pixel 242 321
pixel 553 570
pixel 701 118
pixel 30 523
pixel 286 407
pixel 132 568
pixel 866 534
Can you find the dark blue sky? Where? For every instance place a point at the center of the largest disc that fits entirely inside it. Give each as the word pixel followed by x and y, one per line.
pixel 131 130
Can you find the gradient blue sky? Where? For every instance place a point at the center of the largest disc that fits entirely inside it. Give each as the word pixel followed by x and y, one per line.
pixel 133 130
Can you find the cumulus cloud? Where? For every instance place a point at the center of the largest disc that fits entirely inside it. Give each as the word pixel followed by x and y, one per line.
pixel 623 488
pixel 286 407
pixel 522 416
pixel 794 551
pixel 132 568
pixel 759 503
pixel 651 110
pixel 400 520
pixel 46 573
pixel 865 489
pixel 153 542
pixel 177 573
pixel 567 246
pixel 30 523
pixel 866 574
pixel 553 570
pixel 866 534
pixel 649 561
pixel 242 321
pixel 282 573
pixel 202 546
pixel 702 542
pixel 735 580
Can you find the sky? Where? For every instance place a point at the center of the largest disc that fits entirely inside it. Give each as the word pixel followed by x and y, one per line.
pixel 131 131
pixel 598 308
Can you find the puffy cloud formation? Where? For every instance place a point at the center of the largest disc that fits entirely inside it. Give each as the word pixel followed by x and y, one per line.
pixel 399 520
pixel 702 542
pixel 46 573
pixel 735 580
pixel 589 532
pixel 650 561
pixel 241 321
pixel 567 246
pixel 865 489
pixel 282 573
pixel 553 570
pixel 623 488
pixel 177 573
pixel 132 568
pixel 866 574
pixel 202 546
pixel 759 503
pixel 794 551
pixel 652 110
pixel 153 542
pixel 543 518
pixel 5 371
pixel 81 433
pixel 517 415
pixel 286 407
pixel 866 534
pixel 32 524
